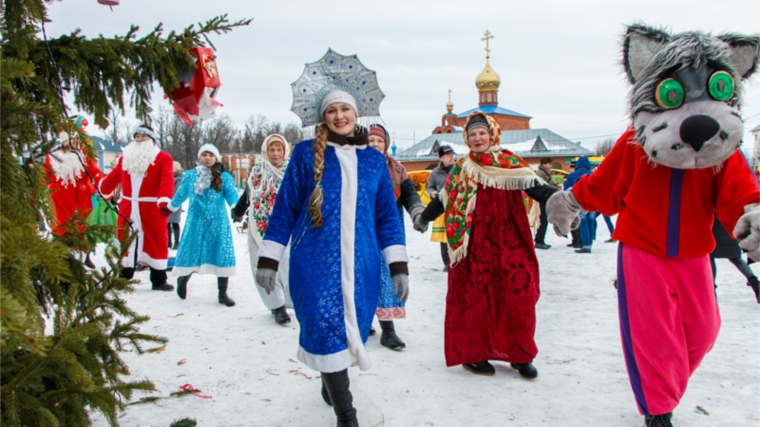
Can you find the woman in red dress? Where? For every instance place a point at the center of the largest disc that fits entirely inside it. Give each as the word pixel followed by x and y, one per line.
pixel 493 279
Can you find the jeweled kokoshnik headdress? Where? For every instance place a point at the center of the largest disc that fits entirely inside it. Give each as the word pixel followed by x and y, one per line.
pixel 335 72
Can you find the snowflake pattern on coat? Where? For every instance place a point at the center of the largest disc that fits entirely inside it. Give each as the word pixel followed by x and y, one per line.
pixel 206 245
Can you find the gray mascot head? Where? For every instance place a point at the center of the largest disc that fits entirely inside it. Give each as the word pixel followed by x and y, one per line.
pixel 686 95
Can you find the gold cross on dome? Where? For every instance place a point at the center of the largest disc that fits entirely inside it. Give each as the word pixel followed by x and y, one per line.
pixel 449 94
pixel 488 36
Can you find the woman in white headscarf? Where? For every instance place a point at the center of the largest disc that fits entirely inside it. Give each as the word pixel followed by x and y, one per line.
pixel 259 196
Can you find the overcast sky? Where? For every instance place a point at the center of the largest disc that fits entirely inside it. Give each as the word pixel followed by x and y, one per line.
pixel 559 61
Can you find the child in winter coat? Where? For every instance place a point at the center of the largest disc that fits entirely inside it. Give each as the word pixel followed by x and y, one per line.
pixel 206 247
pixel 258 198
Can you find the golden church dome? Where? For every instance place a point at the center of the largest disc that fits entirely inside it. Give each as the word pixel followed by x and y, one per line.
pixel 488 79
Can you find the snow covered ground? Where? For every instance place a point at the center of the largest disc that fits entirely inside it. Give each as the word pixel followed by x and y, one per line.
pixel 247 363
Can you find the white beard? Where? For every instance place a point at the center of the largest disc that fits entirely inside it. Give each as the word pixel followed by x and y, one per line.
pixel 137 157
pixel 66 166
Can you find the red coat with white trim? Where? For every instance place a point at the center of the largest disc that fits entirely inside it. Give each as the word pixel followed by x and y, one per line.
pixel 69 198
pixel 668 212
pixel 149 193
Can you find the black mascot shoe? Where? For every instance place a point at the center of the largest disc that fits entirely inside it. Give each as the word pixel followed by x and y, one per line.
pixel 658 420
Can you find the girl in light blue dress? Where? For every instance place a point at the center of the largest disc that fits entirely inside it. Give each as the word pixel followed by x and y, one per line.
pixel 206 246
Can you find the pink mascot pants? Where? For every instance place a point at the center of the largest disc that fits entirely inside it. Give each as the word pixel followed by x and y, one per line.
pixel 669 320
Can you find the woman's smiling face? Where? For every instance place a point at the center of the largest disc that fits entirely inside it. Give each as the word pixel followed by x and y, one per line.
pixel 340 118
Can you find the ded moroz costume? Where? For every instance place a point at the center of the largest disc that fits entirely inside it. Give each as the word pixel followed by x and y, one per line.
pixel 145 174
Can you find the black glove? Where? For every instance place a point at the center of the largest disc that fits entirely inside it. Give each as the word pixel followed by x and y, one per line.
pixel 235 218
pixel 166 209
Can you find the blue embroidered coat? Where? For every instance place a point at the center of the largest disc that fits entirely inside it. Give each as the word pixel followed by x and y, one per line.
pixel 335 269
pixel 206 245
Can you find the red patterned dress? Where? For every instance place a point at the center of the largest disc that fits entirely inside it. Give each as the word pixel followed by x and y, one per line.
pixel 490 305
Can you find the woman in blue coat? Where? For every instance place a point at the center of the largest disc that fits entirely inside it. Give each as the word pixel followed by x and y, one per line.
pixel 206 246
pixel 336 208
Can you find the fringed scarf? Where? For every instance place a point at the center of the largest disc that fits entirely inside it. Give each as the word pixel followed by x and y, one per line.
pixel 496 168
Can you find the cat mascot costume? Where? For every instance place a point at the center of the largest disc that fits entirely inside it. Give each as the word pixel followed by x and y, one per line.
pixel 669 174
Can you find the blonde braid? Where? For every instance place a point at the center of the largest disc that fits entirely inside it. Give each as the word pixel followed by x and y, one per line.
pixel 316 199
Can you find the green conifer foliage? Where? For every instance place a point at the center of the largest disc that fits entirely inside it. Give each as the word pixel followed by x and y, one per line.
pixel 62 326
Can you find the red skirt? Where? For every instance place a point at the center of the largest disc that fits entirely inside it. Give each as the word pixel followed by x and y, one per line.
pixel 491 301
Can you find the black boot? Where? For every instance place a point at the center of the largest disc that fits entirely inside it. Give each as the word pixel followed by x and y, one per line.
pixel 182 286
pixel 389 338
pixel 325 395
pixel 337 384
pixel 223 298
pixel 480 368
pixel 754 283
pixel 281 315
pixel 527 370
pixel 158 279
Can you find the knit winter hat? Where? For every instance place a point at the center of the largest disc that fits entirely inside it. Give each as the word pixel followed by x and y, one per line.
pixel 378 130
pixel 337 96
pixel 177 166
pixel 211 149
pixel 476 122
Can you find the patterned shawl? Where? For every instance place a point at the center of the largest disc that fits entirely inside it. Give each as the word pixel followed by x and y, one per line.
pixel 263 184
pixel 497 168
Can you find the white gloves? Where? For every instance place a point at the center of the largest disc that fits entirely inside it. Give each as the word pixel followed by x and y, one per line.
pixel 747 231
pixel 562 211
pixel 265 277
pixel 401 281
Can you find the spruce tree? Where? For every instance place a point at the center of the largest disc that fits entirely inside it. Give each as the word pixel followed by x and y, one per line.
pixel 62 326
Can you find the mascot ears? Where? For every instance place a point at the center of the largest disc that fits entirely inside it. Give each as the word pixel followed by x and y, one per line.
pixel 642 44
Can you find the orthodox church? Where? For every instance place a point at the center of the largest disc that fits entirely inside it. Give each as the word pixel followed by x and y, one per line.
pixel 516 134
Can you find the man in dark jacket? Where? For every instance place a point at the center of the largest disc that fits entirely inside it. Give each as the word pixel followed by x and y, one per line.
pixel 436 182
pixel 545 173
pixel 588 219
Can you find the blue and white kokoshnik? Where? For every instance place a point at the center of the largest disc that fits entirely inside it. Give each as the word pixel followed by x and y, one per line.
pixel 335 269
pixel 330 73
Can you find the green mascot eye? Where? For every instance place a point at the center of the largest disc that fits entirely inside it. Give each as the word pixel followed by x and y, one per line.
pixel 669 94
pixel 721 86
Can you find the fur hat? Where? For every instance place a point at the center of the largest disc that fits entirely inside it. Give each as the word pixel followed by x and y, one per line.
pixel 211 149
pixel 145 130
pixel 337 96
